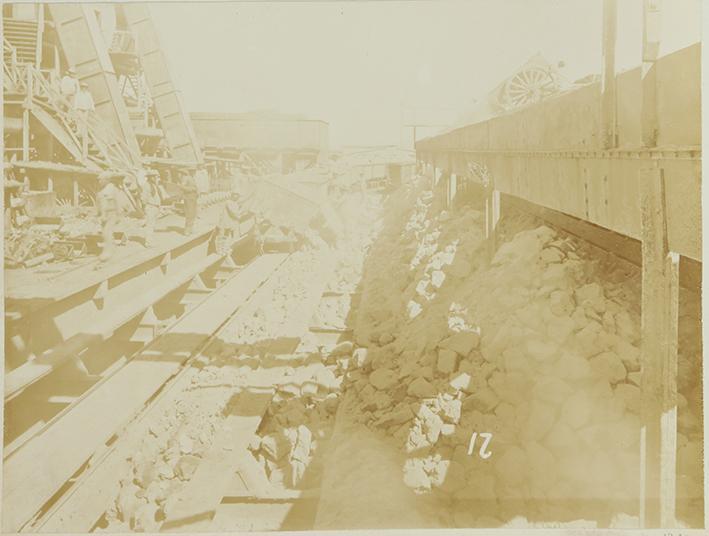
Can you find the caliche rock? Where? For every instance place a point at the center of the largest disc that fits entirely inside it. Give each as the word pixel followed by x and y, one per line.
pixel 421 388
pixel 344 348
pixel 447 361
pixel 186 466
pixel 450 411
pixel 484 400
pixel 383 378
pixel 437 278
pixel 415 476
pixel 608 366
pixel 398 416
pixel 462 342
pixel 385 338
pixel 576 411
pixel 359 356
pixel 461 381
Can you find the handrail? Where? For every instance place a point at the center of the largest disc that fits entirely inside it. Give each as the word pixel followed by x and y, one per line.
pixel 114 150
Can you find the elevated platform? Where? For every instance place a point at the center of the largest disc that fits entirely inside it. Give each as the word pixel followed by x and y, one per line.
pixel 550 153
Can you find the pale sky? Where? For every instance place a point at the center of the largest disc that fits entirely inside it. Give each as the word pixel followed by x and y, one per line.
pixel 356 64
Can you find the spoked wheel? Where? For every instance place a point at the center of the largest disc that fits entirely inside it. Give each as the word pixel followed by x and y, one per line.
pixel 528 86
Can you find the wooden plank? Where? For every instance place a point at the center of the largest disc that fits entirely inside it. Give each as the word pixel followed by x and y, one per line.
pixel 660 298
pixel 32 371
pixel 194 506
pixel 34 473
pixel 58 131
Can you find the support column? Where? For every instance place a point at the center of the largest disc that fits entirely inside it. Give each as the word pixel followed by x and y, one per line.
pixel 452 189
pixel 660 298
pixel 651 46
pixel 608 81
pixel 492 217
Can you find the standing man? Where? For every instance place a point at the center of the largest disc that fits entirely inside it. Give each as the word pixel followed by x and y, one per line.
pixel 229 223
pixel 84 105
pixel 190 194
pixel 107 205
pixel 150 197
pixel 202 179
pixel 69 86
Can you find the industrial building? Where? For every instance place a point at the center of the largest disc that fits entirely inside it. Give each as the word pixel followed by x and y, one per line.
pixel 281 142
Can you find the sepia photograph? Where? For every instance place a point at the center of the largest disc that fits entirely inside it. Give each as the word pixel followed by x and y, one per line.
pixel 345 265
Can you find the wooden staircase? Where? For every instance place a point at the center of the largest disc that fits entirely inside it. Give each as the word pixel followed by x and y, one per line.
pixel 104 148
pixel 22 35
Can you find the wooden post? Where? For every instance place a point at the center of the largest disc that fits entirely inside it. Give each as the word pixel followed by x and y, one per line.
pixel 452 189
pixel 660 295
pixel 26 116
pixel 608 81
pixel 492 217
pixel 40 36
pixel 651 45
pixel 75 188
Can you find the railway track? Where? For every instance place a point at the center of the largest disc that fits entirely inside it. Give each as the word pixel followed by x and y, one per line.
pixel 125 386
pixel 83 497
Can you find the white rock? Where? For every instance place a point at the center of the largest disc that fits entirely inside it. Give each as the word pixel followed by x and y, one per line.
pixel 450 411
pixel 461 381
pixel 437 278
pixel 415 476
pixel 359 357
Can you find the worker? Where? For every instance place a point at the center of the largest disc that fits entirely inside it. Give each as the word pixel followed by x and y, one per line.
pixel 190 194
pixel 150 198
pixel 107 205
pixel 69 86
pixel 202 179
pixel 84 105
pixel 229 220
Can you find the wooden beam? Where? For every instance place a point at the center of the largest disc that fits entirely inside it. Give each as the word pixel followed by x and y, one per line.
pixel 609 138
pixel 651 45
pixel 660 295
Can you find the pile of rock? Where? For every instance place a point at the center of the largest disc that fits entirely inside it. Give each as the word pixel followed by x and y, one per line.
pixel 539 349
